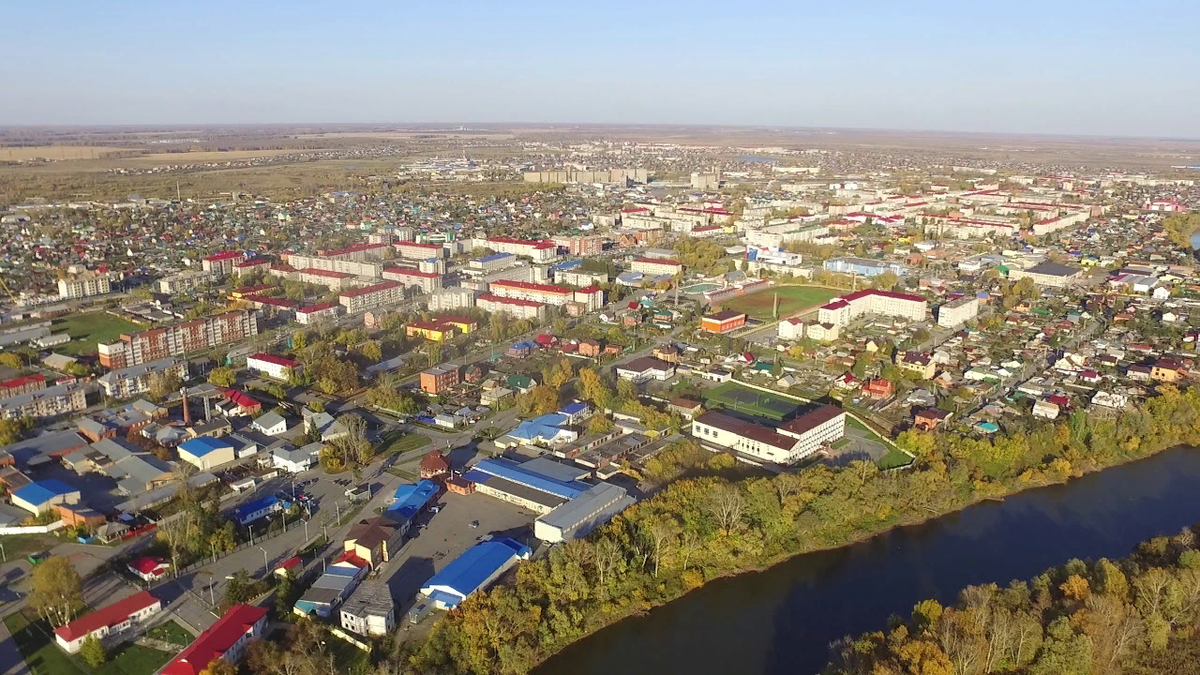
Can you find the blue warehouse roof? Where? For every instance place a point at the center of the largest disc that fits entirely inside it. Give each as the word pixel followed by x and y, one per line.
pixel 199 447
pixel 255 506
pixel 494 256
pixel 43 491
pixel 410 499
pixel 516 473
pixel 466 573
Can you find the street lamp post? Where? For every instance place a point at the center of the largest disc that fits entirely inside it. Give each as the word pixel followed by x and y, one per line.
pixel 264 550
pixel 251 528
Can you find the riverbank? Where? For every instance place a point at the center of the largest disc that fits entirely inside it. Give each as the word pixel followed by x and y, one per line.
pixel 698 531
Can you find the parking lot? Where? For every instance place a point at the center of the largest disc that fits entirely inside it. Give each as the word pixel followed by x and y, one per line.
pixel 445 535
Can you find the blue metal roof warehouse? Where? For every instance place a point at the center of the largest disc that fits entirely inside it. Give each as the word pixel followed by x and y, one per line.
pixel 521 475
pixel 199 447
pixel 410 499
pixel 473 570
pixel 494 256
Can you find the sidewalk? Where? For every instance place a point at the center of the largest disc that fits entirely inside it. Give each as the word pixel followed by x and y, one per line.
pixel 11 661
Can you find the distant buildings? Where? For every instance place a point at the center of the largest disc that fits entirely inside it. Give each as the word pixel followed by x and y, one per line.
pixel 1048 273
pixel 957 312
pixel 656 266
pixel 521 309
pixel 845 309
pixel 864 267
pixel 185 281
pixel 48 402
pixel 126 382
pixel 362 299
pixel 522 290
pixel 539 251
pixel 316 314
pixel 723 322
pixel 644 369
pixel 449 299
pixel 426 282
pixel 222 263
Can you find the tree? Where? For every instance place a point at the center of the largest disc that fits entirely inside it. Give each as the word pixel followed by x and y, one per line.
pixel 887 280
pixel 10 431
pixel 541 400
pixel 220 667
pixel 56 590
pixel 435 353
pixel 162 384
pixel 239 589
pixel 371 350
pixel 594 388
pixel 93 652
pixel 222 377
pixel 317 405
pixel 11 360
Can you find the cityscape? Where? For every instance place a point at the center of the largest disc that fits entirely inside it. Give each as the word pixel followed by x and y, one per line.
pixel 574 397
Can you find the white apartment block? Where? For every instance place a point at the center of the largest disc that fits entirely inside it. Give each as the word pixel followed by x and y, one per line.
pixel 451 298
pixel 581 277
pixel 223 262
pixel 540 251
pixel 845 309
pixel 656 266
pixel 544 293
pixel 958 312
pixel 84 285
pixel 516 307
pixel 48 402
pixel 414 251
pixel 362 299
pixel 427 282
pixel 328 278
pixel 358 268
pixel 127 382
pixel 315 314
pixel 185 281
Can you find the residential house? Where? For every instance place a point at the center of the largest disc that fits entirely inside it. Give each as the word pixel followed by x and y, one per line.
pixel 376 539
pixel 879 389
pixel 929 419
pixel 225 640
pixel 108 621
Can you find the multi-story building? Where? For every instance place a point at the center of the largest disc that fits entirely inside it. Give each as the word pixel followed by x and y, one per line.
pixel 126 382
pixel 656 266
pixel 723 322
pixel 48 402
pixel 439 378
pixel 958 311
pixel 414 251
pixel 463 324
pixel 814 429
pixel 578 277
pixel 178 339
pixel 451 299
pixel 489 263
pixel 521 309
pixel 328 278
pixel 919 364
pixel 361 299
pixel 358 268
pixel 22 385
pixel 251 265
pixel 580 244
pixel 369 610
pixel 225 640
pixel 523 290
pixel 785 445
pixel 864 267
pixel 314 314
pixel 430 330
pixel 845 309
pixel 185 281
pixel 222 263
pixel 1048 274
pixel 85 284
pixel 644 369
pixel 540 251
pixel 591 297
pixel 427 282
pixel 357 252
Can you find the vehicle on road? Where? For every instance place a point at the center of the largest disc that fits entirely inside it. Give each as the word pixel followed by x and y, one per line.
pixel 473 524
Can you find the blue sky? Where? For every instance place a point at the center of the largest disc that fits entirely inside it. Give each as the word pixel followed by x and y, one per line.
pixel 1055 66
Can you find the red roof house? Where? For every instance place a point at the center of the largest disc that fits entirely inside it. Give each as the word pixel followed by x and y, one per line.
pixel 149 568
pixel 115 618
pixel 225 639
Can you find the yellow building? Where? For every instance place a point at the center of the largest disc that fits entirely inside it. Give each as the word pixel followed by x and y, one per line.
pixel 436 332
pixel 464 324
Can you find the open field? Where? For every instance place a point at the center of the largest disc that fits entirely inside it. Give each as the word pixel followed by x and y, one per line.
pixel 751 401
pixel 205 156
pixel 88 329
pixel 55 152
pixel 791 299
pixel 406 135
pixel 45 658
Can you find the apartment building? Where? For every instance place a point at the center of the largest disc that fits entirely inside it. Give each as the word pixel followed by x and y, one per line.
pixel 579 244
pixel 414 251
pixel 957 312
pixel 57 400
pixel 591 297
pixel 578 277
pixel 85 284
pixel 523 290
pixel 540 251
pixel 490 263
pixel 179 339
pixel 222 263
pixel 126 382
pixel 845 309
pixel 185 281
pixel 784 445
pixel 251 265
pixel 439 378
pixel 362 299
pixel 328 278
pixel 451 298
pixel 521 309
pixel 814 429
pixel 22 385
pixel 358 252
pixel 358 268
pixel 314 314
pixel 1048 274
pixel 426 282
pixel 656 266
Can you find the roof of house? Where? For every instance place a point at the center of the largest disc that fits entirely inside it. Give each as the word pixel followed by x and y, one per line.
pixel 213 642
pixel 199 447
pixel 251 508
pixel 370 532
pixel 644 363
pixel 147 564
pixel 111 615
pixel 269 420
pixel 241 398
pixel 271 358
pixel 434 461
pixel 42 491
pixel 1053 269
pixel 811 420
pixel 527 475
pixel 410 499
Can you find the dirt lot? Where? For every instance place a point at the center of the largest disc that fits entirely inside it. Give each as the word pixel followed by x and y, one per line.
pixel 55 152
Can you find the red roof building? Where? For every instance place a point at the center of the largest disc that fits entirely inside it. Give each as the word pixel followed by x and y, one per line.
pixel 226 639
pixel 115 618
pixel 149 568
pixel 246 403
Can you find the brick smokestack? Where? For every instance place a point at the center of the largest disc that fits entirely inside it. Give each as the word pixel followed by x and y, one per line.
pixel 187 417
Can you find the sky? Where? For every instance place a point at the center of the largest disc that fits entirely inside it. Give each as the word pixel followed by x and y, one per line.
pixel 1104 67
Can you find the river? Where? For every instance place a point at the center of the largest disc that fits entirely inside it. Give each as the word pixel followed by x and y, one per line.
pixel 782 620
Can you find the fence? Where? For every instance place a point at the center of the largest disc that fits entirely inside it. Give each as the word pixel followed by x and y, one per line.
pixel 32 529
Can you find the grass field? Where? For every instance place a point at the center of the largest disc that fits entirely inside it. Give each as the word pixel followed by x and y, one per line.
pixel 171 632
pixel 88 329
pixel 751 401
pixel 44 658
pixel 791 299
pixel 894 459
pixel 404 444
pixel 58 152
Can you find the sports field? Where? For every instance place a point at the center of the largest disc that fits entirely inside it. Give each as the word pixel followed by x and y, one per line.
pixel 751 402
pixel 791 299
pixel 88 329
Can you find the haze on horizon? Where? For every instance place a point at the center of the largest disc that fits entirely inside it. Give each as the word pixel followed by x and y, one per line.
pixel 1069 67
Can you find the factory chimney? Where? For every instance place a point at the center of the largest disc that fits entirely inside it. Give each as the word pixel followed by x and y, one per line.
pixel 187 417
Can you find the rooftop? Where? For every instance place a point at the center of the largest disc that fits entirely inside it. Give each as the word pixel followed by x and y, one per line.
pixel 213 642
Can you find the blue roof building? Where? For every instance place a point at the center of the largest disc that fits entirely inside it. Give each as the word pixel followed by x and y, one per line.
pixel 539 485
pixel 474 570
pixel 252 511
pixel 410 499
pixel 39 496
pixel 547 429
